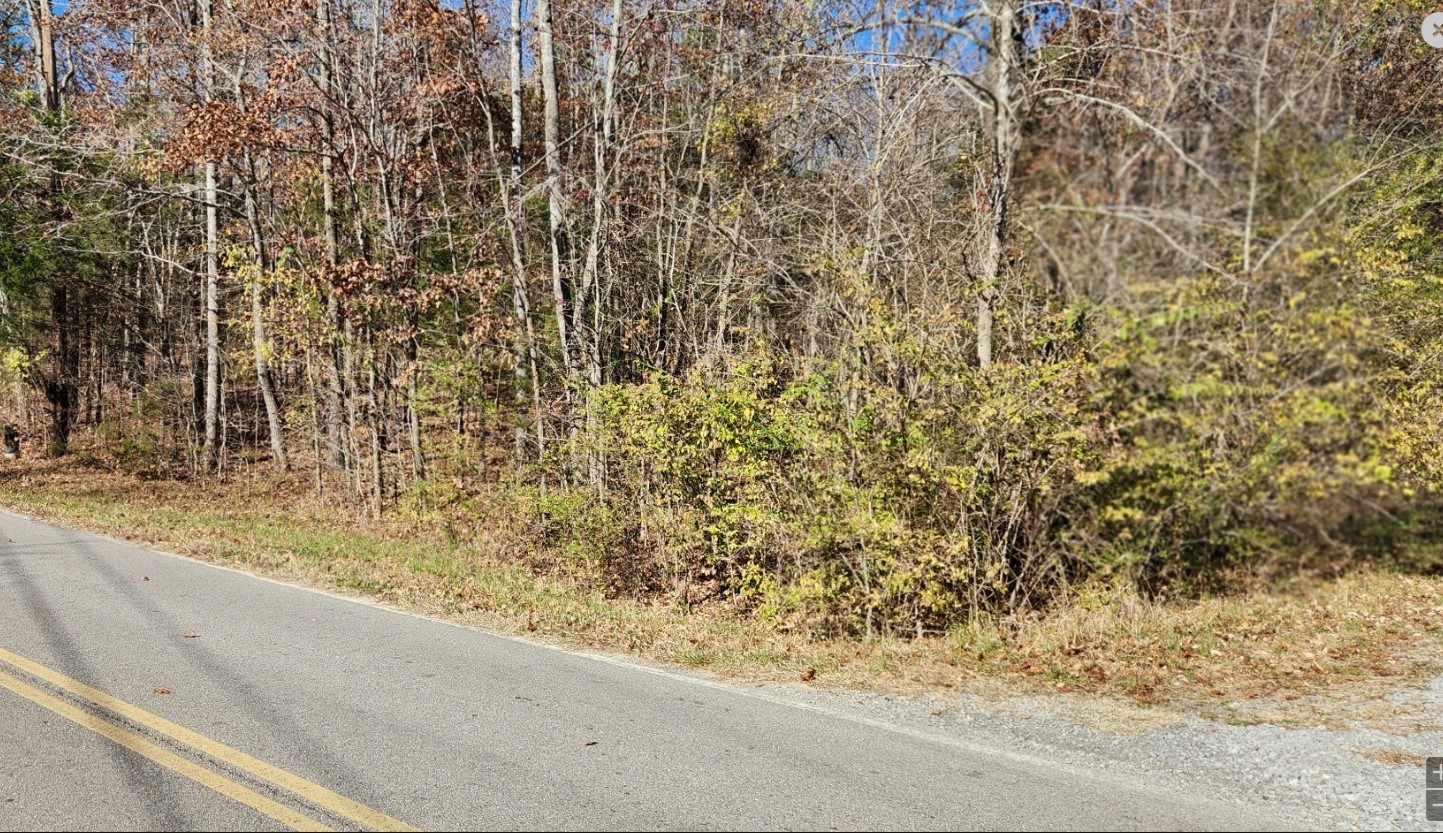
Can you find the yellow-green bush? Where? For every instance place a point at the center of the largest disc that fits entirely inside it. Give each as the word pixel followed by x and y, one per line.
pixel 1201 437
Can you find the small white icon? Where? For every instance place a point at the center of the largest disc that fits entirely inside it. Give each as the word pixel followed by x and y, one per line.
pixel 1433 30
pixel 1438 771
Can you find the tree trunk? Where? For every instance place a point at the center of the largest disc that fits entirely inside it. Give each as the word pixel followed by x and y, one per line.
pixel 523 347
pixel 1004 64
pixel 590 291
pixel 60 387
pixel 555 199
pixel 258 326
pixel 336 457
pixel 211 450
pixel 589 298
pixel 378 482
pixel 413 406
pixel 42 40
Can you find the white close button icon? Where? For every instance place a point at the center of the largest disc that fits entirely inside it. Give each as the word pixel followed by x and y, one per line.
pixel 1433 30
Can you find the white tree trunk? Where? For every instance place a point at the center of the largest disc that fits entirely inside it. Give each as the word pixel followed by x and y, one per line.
pixel 211 449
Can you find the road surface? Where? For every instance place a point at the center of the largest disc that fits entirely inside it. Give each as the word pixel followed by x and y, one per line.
pixel 146 691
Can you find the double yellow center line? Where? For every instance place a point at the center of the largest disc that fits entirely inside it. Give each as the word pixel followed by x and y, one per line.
pixel 311 792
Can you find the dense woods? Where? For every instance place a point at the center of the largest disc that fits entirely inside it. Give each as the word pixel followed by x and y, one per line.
pixel 861 316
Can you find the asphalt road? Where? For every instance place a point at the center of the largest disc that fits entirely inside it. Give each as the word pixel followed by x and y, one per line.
pixel 290 708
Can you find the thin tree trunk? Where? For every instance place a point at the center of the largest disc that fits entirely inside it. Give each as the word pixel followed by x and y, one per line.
pixel 316 441
pixel 336 457
pixel 413 426
pixel 258 327
pixel 590 291
pixel 523 347
pixel 555 199
pixel 1257 145
pixel 378 483
pixel 60 387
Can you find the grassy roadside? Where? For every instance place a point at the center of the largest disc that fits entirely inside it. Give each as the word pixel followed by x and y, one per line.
pixel 1332 641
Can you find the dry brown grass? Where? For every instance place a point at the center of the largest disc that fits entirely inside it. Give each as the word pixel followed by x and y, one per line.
pixel 1395 757
pixel 1303 656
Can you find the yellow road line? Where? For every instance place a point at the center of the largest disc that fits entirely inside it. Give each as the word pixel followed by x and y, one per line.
pixel 314 793
pixel 163 756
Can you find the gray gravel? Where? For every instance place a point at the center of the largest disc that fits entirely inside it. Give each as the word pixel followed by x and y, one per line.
pixel 1309 776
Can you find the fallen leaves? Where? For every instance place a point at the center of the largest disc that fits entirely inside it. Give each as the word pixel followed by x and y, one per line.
pixel 191 635
pixel 808 675
pixel 162 690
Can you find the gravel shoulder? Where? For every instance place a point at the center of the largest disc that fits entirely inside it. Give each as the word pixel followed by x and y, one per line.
pixel 1346 762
